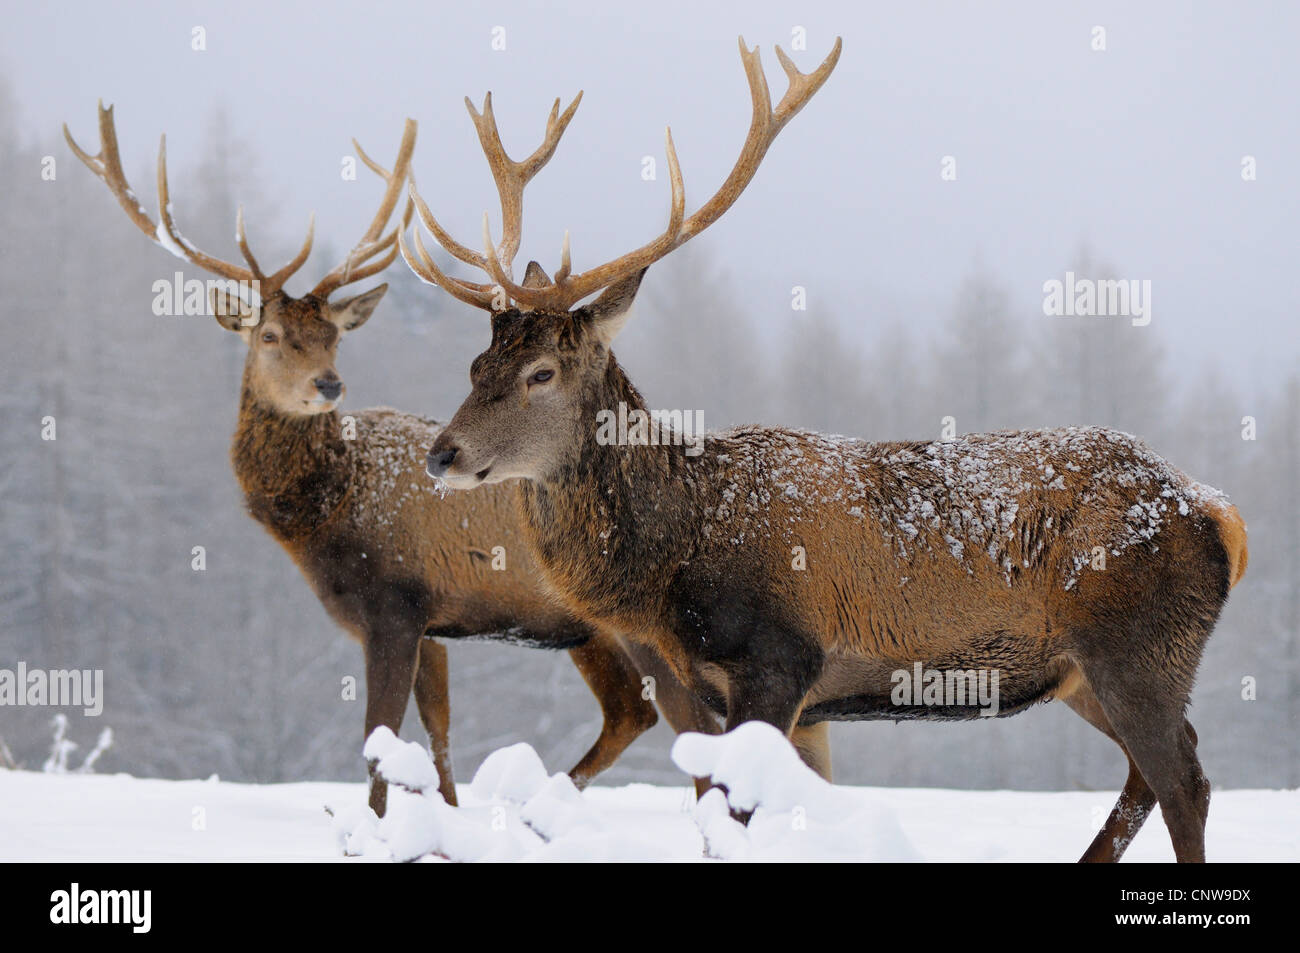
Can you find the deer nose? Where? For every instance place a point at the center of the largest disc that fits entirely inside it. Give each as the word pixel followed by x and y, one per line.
pixel 439 462
pixel 329 387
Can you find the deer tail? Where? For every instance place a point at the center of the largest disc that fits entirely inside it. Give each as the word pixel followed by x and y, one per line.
pixel 1232 531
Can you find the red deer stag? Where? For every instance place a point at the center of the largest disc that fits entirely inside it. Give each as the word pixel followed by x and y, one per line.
pixel 392 562
pixel 1073 563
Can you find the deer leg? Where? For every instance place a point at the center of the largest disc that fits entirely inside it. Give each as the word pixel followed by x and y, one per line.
pixel 686 711
pixel 773 693
pixel 813 742
pixel 1162 744
pixel 616 683
pixel 1168 762
pixel 390 667
pixel 434 705
pixel 1135 801
pixel 681 707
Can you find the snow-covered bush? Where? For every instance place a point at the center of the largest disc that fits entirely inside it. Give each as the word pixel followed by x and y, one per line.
pixel 63 746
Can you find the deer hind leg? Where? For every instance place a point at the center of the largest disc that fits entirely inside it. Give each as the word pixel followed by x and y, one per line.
pixel 1135 801
pixel 390 668
pixel 616 683
pixel 434 705
pixel 1148 720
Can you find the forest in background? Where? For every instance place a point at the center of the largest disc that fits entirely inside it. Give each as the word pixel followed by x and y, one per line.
pixel 236 670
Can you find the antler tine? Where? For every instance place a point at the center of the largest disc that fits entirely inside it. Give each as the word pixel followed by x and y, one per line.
pixel 389 242
pixel 242 239
pixel 277 280
pixel 107 165
pixel 371 244
pixel 268 286
pixel 566 265
pixel 678 209
pixel 396 179
pixel 480 296
pixel 802 85
pixel 170 237
pixel 510 176
pixel 496 271
pixel 456 249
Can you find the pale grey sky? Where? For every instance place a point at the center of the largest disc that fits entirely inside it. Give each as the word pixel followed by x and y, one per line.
pixel 1134 152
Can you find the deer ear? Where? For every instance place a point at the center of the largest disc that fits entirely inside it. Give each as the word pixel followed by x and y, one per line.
pixel 351 314
pixel 610 311
pixel 536 276
pixel 231 311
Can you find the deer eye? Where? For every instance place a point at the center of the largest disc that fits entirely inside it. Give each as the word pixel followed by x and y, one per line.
pixel 269 337
pixel 541 377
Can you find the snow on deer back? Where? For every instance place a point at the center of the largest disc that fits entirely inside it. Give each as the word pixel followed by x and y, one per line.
pixel 913 533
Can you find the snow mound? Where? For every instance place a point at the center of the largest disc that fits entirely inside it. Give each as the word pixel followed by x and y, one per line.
pixel 515 812
pixel 513 774
pixel 403 763
pixel 354 828
pixel 797 815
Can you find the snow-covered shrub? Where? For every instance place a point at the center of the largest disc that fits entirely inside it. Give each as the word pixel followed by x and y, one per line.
pixel 63 746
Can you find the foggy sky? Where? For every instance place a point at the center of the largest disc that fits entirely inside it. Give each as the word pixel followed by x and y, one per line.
pixel 1133 153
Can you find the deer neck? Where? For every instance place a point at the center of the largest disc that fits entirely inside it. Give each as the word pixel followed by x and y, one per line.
pixel 611 513
pixel 294 469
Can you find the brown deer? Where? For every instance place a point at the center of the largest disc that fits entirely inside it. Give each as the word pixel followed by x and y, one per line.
pixel 791 577
pixel 393 562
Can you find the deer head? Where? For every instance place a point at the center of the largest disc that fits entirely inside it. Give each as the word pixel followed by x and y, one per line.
pixel 292 342
pixel 532 388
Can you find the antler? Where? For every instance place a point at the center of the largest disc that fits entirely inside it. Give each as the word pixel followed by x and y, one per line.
pixel 511 178
pixel 107 165
pixel 560 294
pixel 353 268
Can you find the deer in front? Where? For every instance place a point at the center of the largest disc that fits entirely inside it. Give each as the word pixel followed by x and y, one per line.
pixel 392 562
pixel 978 553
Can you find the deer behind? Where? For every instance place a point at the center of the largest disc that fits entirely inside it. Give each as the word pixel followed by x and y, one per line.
pixel 789 576
pixel 393 562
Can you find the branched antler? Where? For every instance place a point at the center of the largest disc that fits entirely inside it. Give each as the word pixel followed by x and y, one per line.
pixel 107 165
pixel 537 292
pixel 511 178
pixel 354 267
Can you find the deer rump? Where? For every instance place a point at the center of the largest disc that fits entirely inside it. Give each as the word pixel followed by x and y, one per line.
pixel 1011 553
